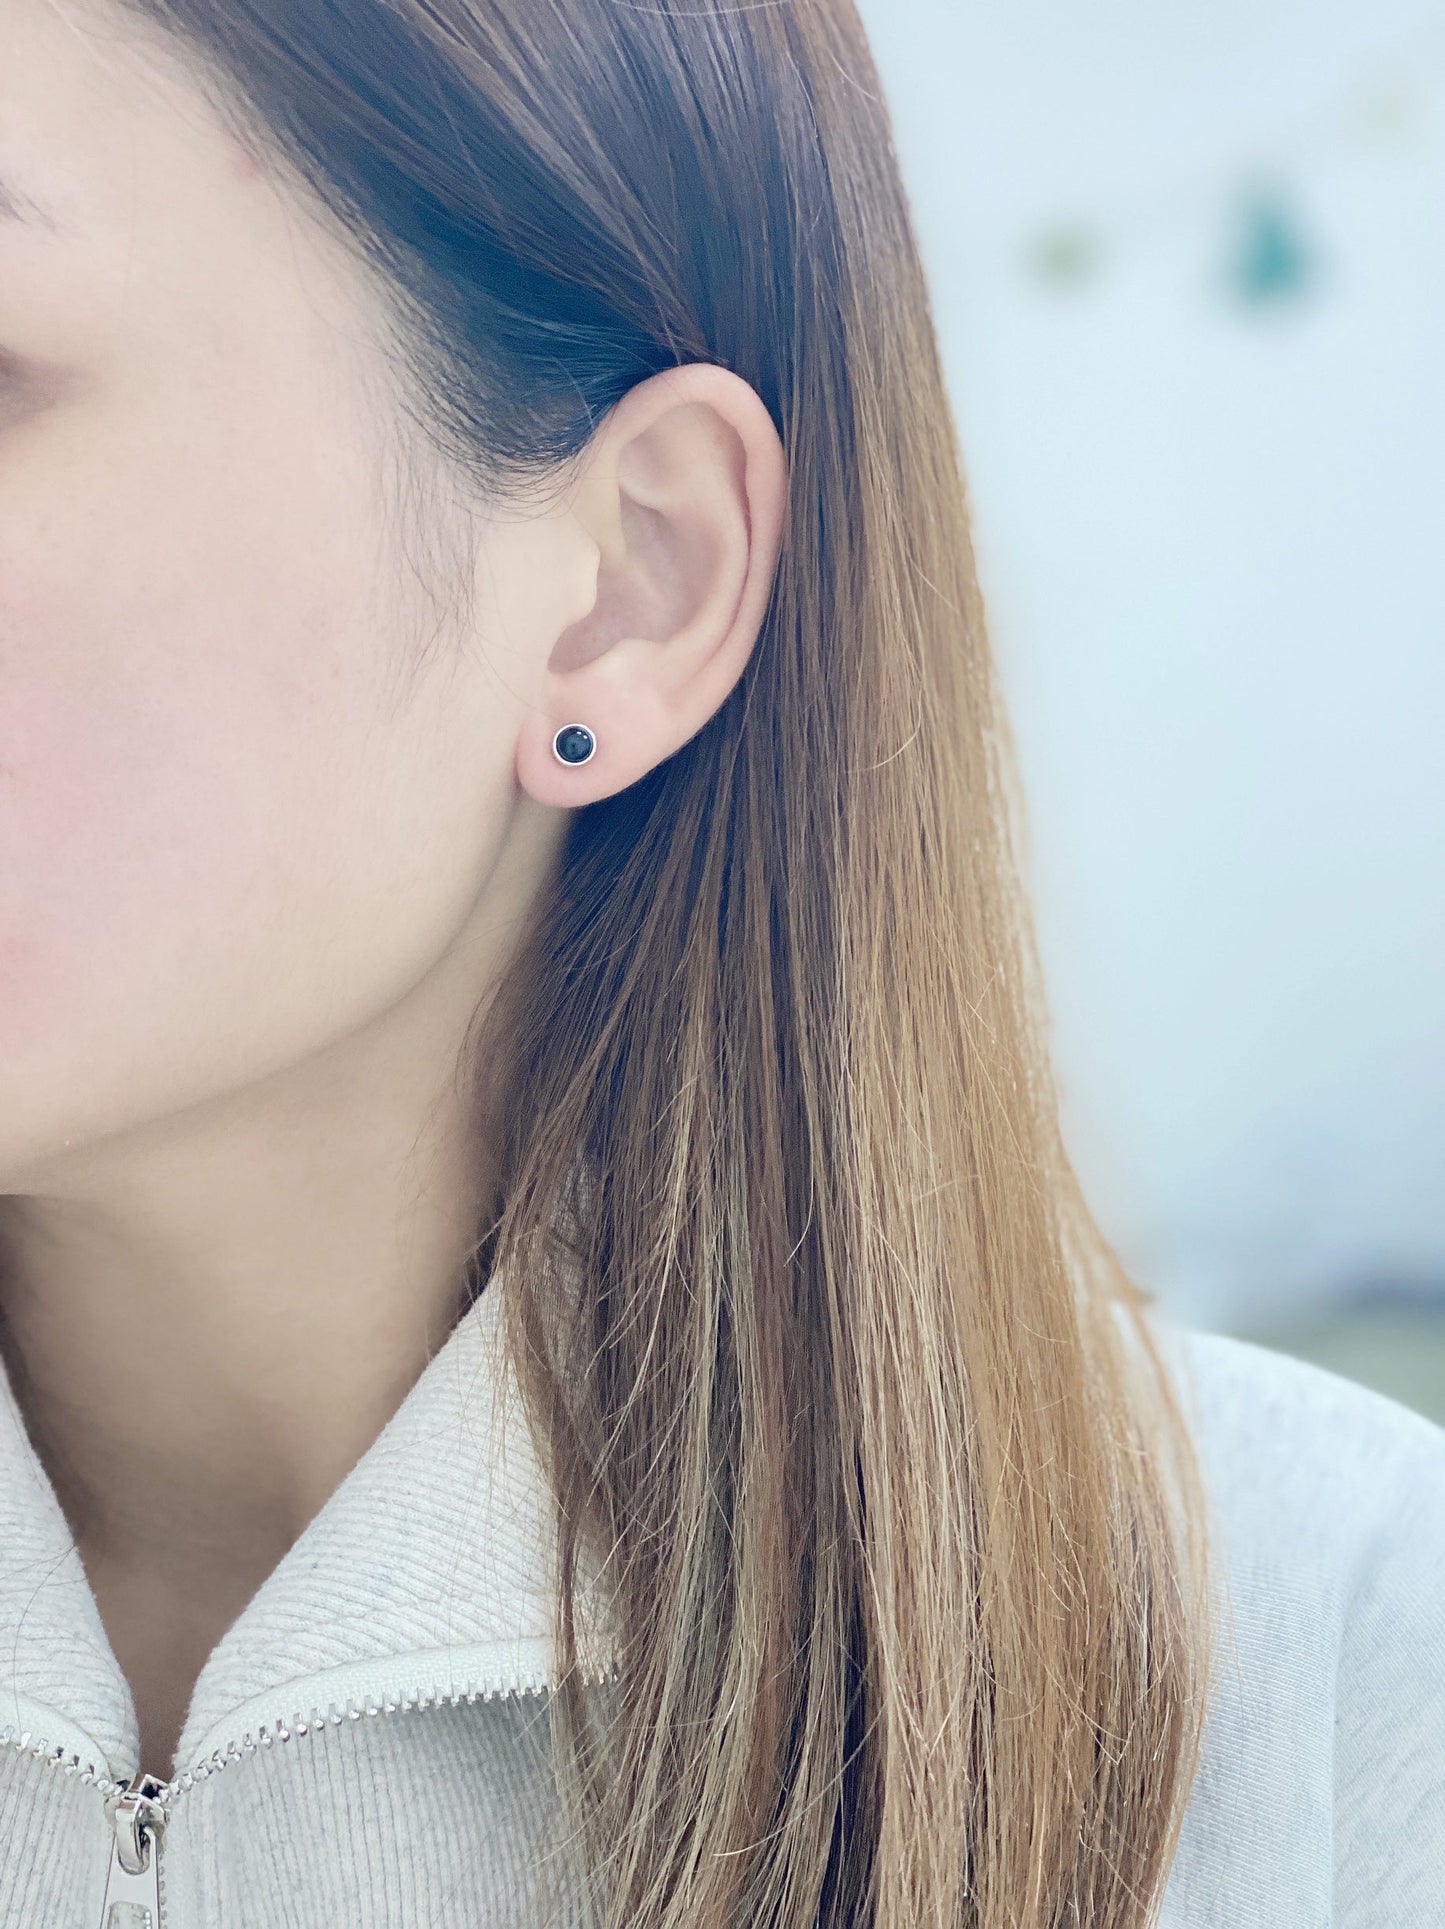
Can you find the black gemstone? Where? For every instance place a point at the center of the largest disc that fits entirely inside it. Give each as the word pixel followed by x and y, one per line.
pixel 574 744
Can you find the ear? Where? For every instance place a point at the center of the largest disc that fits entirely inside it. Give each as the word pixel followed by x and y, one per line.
pixel 678 513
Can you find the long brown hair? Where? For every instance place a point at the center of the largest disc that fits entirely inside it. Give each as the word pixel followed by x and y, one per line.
pixel 855 1403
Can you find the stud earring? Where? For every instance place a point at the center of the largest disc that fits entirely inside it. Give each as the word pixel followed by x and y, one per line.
pixel 574 743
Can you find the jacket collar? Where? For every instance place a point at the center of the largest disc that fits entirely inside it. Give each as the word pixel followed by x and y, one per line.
pixel 427 1575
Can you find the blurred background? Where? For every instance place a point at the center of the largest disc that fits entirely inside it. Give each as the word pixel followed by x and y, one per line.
pixel 1188 267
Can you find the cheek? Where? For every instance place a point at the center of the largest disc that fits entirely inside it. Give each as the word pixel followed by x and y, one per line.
pixel 202 807
pixel 152 727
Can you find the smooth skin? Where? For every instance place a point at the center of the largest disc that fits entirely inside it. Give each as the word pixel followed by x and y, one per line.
pixel 273 803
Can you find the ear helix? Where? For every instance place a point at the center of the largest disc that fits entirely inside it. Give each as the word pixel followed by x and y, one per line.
pixel 574 743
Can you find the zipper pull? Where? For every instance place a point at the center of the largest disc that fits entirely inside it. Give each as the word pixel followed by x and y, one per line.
pixel 132 1886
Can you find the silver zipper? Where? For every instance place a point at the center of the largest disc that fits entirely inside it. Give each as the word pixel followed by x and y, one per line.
pixel 141 1808
pixel 133 1885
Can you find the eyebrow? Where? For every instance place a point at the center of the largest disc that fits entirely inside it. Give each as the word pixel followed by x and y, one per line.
pixel 16 205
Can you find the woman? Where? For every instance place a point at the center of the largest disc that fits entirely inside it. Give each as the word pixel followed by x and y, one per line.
pixel 556 1367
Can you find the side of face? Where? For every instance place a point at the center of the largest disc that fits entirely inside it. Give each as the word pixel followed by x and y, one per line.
pixel 236 821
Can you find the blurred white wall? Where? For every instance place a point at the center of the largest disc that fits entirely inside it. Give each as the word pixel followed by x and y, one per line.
pixel 1209 483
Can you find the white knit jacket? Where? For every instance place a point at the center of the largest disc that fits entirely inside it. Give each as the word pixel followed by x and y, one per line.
pixel 367 1745
pixel 353 1738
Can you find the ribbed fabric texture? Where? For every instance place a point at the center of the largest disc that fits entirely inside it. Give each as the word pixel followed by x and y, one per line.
pixel 430 1567
pixel 55 1843
pixel 1321 1802
pixel 55 1659
pixel 1320 1805
pixel 440 1816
